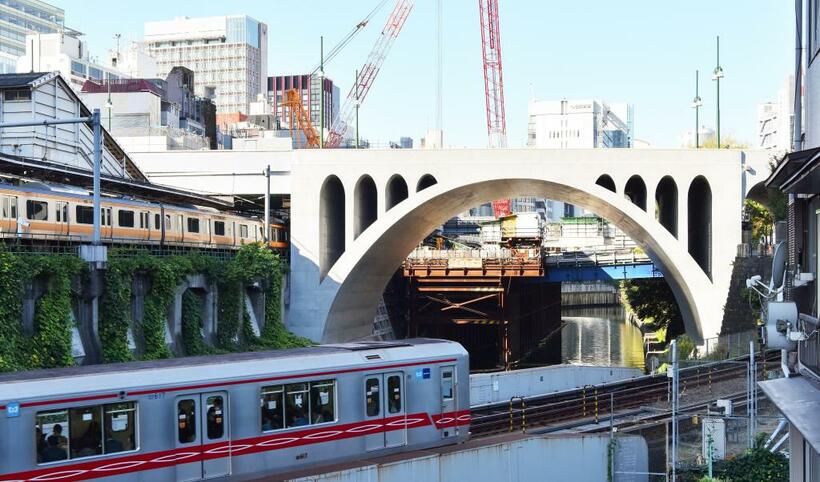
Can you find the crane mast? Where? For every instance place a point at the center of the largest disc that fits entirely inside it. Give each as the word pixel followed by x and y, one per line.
pixel 369 71
pixel 493 76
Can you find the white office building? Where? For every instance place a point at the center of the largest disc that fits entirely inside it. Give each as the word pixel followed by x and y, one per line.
pixel 583 123
pixel 19 18
pixel 228 54
pixel 577 124
pixel 66 54
pixel 775 120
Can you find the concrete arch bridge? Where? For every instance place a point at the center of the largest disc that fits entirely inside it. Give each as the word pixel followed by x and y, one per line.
pixel 356 214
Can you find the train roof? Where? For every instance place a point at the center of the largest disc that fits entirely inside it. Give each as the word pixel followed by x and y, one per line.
pixel 81 193
pixel 302 362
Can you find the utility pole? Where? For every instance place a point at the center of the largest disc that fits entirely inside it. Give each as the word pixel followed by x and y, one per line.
pixel 696 105
pixel 356 86
pixel 718 74
pixel 673 374
pixel 267 204
pixel 321 92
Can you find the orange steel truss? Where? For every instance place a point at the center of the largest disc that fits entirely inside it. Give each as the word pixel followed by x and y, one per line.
pixel 300 117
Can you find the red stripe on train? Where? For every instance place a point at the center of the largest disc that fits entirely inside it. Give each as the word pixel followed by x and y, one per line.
pixel 155 460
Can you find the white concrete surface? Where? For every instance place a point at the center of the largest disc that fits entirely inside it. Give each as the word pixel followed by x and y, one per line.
pixel 575 458
pixel 488 388
pixel 342 305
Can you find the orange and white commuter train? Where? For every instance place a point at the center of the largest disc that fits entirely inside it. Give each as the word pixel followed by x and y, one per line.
pixel 52 211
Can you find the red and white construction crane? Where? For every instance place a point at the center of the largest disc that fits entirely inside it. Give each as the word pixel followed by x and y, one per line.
pixel 493 85
pixel 368 73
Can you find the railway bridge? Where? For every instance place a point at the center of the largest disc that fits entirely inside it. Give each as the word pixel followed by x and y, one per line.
pixel 356 214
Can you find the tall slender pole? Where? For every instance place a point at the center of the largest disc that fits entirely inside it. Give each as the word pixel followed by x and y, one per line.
pixel 696 104
pixel 716 77
pixel 267 204
pixel 322 92
pixel 674 376
pixel 797 142
pixel 356 86
pixel 95 122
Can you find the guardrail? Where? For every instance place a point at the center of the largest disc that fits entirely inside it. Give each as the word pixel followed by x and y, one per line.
pixel 597 258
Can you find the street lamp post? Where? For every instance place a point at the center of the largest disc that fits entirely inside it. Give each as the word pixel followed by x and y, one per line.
pixel 716 76
pixel 696 103
pixel 109 105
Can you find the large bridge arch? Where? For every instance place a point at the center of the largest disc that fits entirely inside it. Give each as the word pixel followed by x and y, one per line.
pixel 364 269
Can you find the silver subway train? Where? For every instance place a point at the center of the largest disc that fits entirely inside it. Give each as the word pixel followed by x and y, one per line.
pixel 236 416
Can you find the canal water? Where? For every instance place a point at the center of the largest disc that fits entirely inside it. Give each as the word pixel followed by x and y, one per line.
pixel 600 336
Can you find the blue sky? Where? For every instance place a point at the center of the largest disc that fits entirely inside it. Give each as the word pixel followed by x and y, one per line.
pixel 640 51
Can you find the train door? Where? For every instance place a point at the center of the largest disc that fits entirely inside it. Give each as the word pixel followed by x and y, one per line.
pixel 203 426
pixel 448 396
pixel 145 225
pixel 384 399
pixel 61 218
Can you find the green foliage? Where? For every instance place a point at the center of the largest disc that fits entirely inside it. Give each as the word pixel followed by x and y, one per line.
pixel 115 310
pixel 192 339
pixel 760 218
pixel 754 465
pixel 686 347
pixel 50 343
pixel 654 305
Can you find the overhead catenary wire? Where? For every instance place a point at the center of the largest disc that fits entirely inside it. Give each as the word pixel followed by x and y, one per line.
pixel 350 36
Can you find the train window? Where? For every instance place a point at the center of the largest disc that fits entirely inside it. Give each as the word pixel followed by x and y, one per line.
pixel 215 417
pixel 120 427
pixel 52 436
pixel 156 222
pixel 296 404
pixel 186 421
pixel 447 385
pixel 219 228
pixel 144 217
pixel 84 215
pixel 393 394
pixel 273 407
pixel 37 210
pixel 86 431
pixel 8 207
pixel 322 401
pixel 125 219
pixel 85 439
pixel 372 396
pixel 243 230
pixel 105 219
pixel 193 225
pixel 168 222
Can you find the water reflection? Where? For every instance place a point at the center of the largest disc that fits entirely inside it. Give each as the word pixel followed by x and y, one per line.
pixel 600 336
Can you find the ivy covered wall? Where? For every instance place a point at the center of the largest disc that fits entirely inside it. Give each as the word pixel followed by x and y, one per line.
pixel 50 344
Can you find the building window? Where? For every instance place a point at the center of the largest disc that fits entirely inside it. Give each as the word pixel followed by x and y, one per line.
pixel 18 95
pixel 78 68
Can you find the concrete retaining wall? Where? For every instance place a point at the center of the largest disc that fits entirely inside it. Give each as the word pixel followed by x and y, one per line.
pixel 487 388
pixel 575 458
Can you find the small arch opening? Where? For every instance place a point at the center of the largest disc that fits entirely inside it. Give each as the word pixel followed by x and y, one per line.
pixel 606 182
pixel 396 191
pixel 666 204
pixel 635 191
pixel 699 207
pixel 365 205
pixel 426 181
pixel 331 223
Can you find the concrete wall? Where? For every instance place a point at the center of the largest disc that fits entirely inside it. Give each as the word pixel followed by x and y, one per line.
pixel 487 388
pixel 341 305
pixel 575 458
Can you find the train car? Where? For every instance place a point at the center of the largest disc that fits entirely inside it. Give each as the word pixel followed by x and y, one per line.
pixel 235 416
pixel 52 211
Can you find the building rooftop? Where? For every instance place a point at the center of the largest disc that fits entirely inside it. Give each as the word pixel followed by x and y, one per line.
pixel 11 81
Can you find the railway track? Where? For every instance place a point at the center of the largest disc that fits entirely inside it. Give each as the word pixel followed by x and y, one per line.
pixel 591 404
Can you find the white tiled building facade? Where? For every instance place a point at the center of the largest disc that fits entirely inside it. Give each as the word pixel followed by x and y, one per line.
pixel 775 120
pixel 228 55
pixel 19 18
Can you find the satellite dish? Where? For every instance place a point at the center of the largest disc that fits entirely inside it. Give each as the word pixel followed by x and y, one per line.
pixel 778 266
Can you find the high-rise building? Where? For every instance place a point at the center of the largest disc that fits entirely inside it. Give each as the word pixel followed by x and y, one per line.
pixel 308 88
pixel 228 54
pixel 584 123
pixel 775 120
pixel 19 18
pixel 66 54
pixel 577 124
